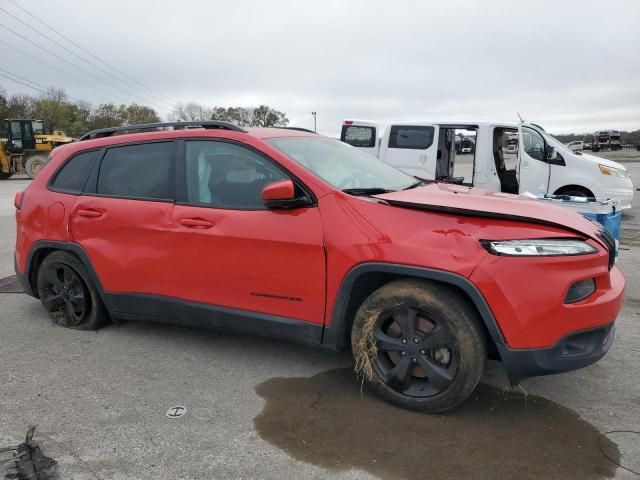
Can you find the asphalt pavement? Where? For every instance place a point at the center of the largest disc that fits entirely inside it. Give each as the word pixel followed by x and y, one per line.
pixel 261 408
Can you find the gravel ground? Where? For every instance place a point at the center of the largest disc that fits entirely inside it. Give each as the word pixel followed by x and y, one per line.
pixel 260 408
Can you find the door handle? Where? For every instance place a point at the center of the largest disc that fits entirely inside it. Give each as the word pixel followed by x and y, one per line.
pixel 196 223
pixel 89 213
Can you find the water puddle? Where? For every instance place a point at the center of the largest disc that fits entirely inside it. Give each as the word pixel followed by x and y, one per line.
pixel 324 420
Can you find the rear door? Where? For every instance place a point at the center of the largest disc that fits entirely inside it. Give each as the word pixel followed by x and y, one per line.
pixel 235 253
pixel 412 149
pixel 533 170
pixel 123 218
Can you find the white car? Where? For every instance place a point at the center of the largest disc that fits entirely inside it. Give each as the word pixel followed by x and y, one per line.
pixel 576 145
pixel 540 164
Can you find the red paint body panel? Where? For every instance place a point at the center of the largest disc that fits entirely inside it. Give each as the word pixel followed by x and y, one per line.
pixel 458 197
pixel 267 261
pixel 129 244
pixel 291 263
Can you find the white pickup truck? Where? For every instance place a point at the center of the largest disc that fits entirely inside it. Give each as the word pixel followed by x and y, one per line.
pixel 540 163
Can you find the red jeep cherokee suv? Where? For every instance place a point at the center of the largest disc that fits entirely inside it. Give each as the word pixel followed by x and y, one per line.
pixel 287 233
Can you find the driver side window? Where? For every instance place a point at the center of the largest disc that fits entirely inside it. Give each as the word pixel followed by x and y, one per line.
pixel 533 143
pixel 226 175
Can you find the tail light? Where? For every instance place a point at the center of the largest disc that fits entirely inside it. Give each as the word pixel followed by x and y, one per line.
pixel 17 201
pixel 348 122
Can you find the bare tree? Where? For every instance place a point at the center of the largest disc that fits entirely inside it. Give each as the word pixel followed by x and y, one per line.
pixel 190 112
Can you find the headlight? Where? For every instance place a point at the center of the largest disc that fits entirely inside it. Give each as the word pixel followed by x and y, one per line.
pixel 613 172
pixel 538 247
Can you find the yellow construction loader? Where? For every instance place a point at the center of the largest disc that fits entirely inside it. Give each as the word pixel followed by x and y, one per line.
pixel 27 146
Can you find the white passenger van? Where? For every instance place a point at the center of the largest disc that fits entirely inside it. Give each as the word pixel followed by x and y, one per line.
pixel 539 163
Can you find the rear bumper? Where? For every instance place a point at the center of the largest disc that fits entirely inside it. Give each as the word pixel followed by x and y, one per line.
pixel 22 278
pixel 575 350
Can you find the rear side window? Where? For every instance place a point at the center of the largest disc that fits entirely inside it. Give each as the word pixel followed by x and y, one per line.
pixel 138 171
pixel 411 137
pixel 74 173
pixel 358 136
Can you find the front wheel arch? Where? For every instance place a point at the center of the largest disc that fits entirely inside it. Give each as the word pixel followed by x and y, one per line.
pixel 573 189
pixel 365 278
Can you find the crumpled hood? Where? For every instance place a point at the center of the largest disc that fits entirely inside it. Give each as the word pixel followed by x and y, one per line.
pixel 461 200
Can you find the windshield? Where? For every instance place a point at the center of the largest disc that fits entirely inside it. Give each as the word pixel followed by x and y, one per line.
pixel 341 165
pixel 38 128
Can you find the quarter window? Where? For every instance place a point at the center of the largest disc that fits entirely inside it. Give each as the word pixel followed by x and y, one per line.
pixel 533 143
pixel 410 137
pixel 74 173
pixel 138 171
pixel 226 175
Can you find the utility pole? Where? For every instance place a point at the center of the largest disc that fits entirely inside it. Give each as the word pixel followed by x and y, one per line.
pixel 315 125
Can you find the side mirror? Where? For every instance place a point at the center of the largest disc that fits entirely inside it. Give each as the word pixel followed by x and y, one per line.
pixel 551 153
pixel 282 194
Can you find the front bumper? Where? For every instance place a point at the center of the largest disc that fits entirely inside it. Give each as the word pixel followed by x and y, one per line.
pixel 575 350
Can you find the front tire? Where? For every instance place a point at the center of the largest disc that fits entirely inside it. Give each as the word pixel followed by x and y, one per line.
pixel 68 295
pixel 419 345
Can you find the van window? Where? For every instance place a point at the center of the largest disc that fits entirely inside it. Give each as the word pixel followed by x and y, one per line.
pixel 225 175
pixel 533 143
pixel 358 136
pixel 411 137
pixel 138 171
pixel 73 175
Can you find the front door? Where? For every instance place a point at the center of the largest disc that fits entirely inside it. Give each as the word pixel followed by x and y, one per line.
pixel 533 170
pixel 230 251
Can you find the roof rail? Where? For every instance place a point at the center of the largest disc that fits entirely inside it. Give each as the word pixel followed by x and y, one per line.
pixel 299 129
pixel 207 124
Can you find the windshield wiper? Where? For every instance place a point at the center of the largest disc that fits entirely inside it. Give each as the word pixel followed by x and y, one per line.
pixel 414 185
pixel 366 191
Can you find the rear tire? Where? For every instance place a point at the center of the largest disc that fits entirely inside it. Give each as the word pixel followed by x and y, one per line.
pixel 68 295
pixel 34 165
pixel 419 345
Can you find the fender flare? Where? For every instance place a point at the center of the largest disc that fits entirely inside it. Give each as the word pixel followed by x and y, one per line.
pixel 334 334
pixel 69 247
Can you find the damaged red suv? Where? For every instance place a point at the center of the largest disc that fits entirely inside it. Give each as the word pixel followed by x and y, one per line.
pixel 289 234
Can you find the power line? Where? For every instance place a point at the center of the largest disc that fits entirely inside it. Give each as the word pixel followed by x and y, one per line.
pixel 63 59
pixel 63 72
pixel 77 100
pixel 35 17
pixel 21 83
pixel 84 59
pixel 23 78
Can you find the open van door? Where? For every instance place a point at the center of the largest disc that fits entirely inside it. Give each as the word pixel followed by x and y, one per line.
pixel 361 134
pixel 533 169
pixel 411 148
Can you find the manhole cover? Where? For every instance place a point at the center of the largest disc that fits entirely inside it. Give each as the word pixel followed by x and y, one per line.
pixel 176 412
pixel 628 443
pixel 10 284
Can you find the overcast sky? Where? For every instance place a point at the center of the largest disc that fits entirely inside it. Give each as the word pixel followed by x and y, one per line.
pixel 572 66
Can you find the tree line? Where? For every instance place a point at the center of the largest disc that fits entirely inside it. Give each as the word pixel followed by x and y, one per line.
pixel 625 137
pixel 76 117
